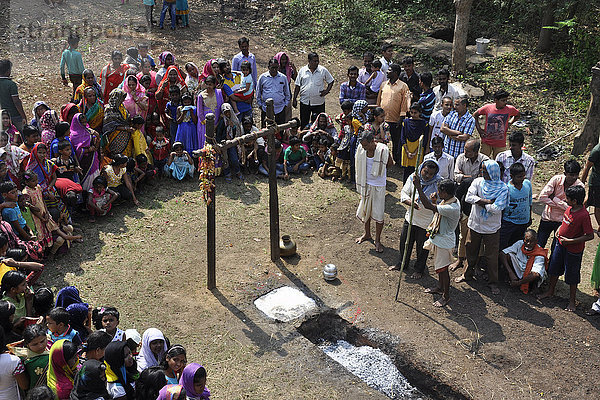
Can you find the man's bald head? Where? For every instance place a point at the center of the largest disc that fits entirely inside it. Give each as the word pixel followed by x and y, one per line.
pixel 472 147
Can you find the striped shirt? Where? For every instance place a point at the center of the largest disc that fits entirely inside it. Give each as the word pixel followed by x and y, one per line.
pixel 427 101
pixel 507 160
pixel 464 124
pixel 350 93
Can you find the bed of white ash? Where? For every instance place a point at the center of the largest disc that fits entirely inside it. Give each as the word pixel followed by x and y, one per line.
pixel 285 304
pixel 372 366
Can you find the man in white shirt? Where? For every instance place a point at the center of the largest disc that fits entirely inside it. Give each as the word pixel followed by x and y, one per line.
pixel 515 154
pixel 444 160
pixel 489 197
pixel 387 51
pixel 444 88
pixel 419 218
pixel 372 161
pixel 310 85
pixel 437 119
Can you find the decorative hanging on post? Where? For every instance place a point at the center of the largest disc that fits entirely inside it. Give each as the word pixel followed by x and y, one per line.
pixel 206 168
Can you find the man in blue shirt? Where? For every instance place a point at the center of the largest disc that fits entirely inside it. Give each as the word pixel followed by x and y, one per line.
pixel 458 127
pixel 352 90
pixel 244 55
pixel 273 84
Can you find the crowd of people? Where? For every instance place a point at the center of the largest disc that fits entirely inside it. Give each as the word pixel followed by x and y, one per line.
pixel 467 197
pixel 66 349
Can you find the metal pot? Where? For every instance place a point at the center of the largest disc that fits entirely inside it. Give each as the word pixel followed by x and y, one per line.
pixel 329 272
pixel 287 247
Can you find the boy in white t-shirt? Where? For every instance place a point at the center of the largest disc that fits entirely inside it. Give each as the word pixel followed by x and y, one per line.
pixel 441 234
pixel 377 77
pixel 437 119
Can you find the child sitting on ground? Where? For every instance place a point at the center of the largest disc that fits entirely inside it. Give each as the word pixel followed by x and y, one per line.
pixel 152 124
pixel 142 164
pixel 441 233
pixel 27 209
pixel 576 229
pixel 161 149
pixel 118 180
pixel 173 363
pixel 100 198
pixel 107 319
pixel 294 158
pixel 15 290
pixel 30 137
pixel 51 236
pixel 67 167
pixel 319 157
pixel 34 354
pixel 95 345
pixel 180 163
pixel 43 302
pixel 58 327
pixel 13 215
pixel 329 168
pixel 62 131
pixel 193 380
pixel 13 259
pixel 136 175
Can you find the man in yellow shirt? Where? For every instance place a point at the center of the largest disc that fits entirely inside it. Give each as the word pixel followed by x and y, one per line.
pixel 394 98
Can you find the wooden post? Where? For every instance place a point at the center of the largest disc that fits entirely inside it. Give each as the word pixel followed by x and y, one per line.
pixel 273 196
pixel 211 226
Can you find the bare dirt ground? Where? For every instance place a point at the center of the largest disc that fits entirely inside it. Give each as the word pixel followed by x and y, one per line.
pixel 150 261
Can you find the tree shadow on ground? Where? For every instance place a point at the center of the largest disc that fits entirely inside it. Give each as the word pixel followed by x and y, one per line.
pixel 266 343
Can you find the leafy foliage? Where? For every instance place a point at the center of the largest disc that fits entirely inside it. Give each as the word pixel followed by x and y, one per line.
pixel 354 26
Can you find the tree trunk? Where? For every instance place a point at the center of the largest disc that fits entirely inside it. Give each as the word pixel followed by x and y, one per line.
pixel 461 29
pixel 591 127
pixel 545 38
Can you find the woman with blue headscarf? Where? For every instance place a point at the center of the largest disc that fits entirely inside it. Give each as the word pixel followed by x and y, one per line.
pixel 419 217
pixel 489 196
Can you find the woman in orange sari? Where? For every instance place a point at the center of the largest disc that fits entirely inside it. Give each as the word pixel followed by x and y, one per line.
pixel 172 77
pixel 112 75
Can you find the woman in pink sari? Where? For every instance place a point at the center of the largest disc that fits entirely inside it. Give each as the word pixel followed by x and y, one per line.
pixel 85 141
pixel 136 101
pixel 209 101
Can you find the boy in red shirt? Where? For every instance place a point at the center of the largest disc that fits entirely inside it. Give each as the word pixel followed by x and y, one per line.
pixel 575 230
pixel 498 117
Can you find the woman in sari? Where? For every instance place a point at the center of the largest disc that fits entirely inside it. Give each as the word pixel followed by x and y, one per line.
pixel 39 108
pixel 136 101
pixel 46 173
pixel 192 79
pixel 62 367
pixel 166 59
pixel 112 74
pixel 116 131
pixel 48 123
pixel 92 107
pixel 287 67
pixel 67 111
pixel 209 100
pixel 172 77
pixel 89 81
pixel 85 141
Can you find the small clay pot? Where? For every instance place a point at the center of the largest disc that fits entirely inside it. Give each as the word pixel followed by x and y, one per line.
pixel 287 247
